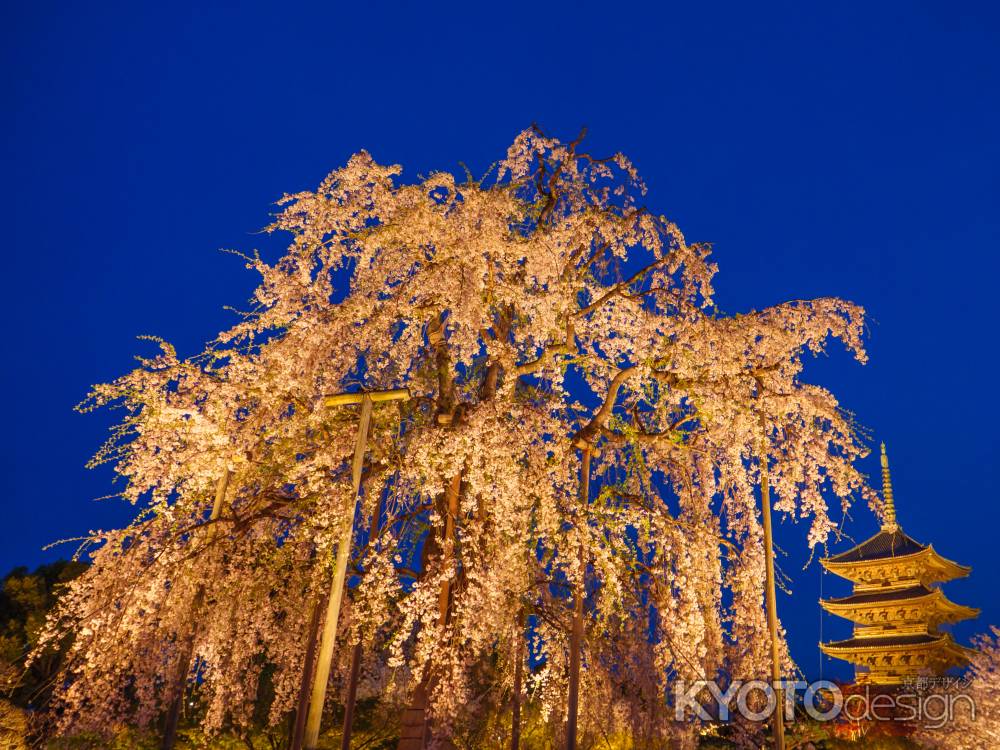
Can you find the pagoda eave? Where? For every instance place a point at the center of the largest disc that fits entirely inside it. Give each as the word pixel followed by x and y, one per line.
pixel 950 568
pixel 933 605
pixel 924 565
pixel 903 643
pixel 889 660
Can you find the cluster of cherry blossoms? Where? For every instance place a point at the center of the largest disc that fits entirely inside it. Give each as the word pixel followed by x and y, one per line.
pixel 971 706
pixel 532 315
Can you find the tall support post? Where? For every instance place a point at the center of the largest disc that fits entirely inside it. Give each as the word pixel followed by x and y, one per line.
pixel 576 637
pixel 321 673
pixel 184 665
pixel 356 654
pixel 778 719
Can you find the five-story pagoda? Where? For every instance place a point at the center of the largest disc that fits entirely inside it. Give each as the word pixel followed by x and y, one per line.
pixel 896 607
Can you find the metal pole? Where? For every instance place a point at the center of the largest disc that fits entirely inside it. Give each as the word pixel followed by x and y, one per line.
pixel 576 636
pixel 778 720
pixel 322 674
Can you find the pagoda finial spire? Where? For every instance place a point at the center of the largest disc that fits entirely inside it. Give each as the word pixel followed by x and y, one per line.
pixel 890 505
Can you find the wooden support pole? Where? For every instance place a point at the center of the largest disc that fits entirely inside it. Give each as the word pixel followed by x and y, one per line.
pixel 356 654
pixel 576 637
pixel 184 664
pixel 321 675
pixel 778 719
pixel 376 397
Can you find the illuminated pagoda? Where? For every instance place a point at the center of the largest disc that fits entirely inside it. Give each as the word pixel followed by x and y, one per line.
pixel 896 606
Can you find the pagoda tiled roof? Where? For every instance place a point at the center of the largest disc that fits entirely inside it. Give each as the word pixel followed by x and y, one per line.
pixel 868 597
pixel 918 639
pixel 883 545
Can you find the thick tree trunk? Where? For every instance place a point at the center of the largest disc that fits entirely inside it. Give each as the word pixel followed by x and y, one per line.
pixel 177 703
pixel 414 730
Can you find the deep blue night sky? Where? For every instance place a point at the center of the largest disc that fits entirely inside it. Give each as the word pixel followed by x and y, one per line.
pixel 848 151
